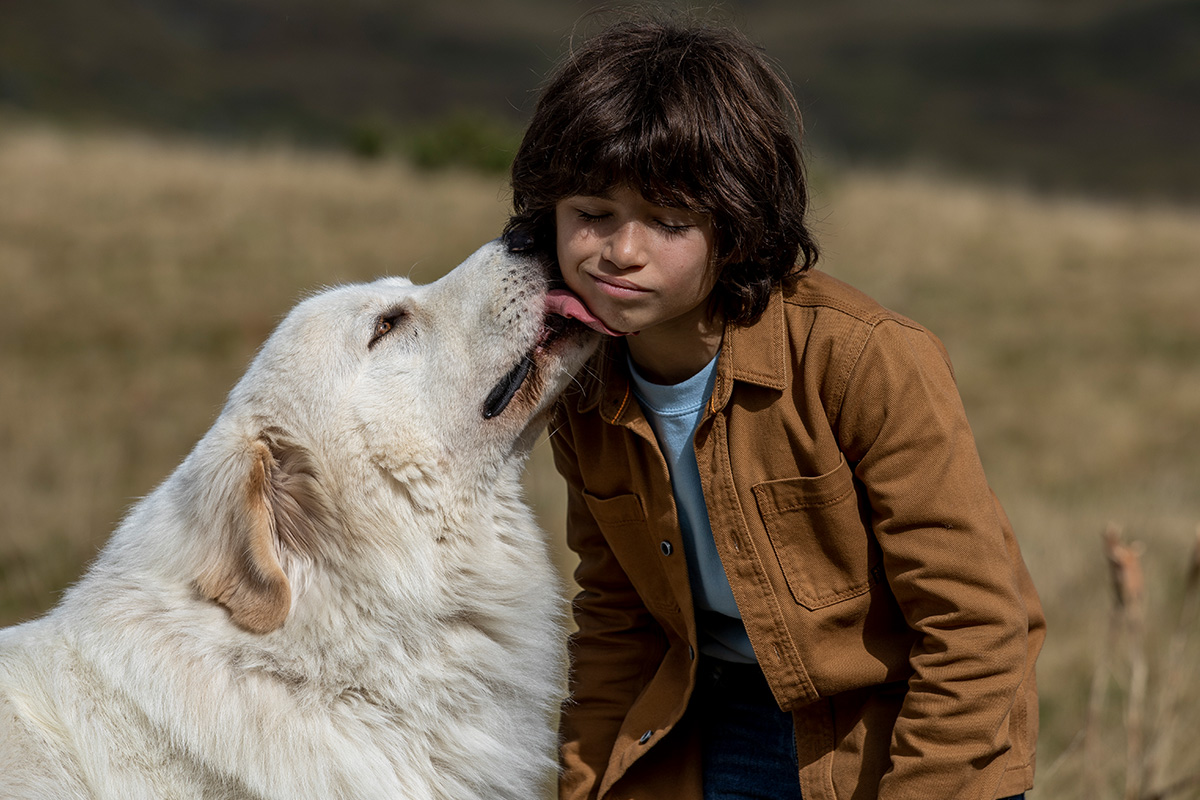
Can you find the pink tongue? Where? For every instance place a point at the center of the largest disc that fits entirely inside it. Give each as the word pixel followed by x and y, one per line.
pixel 565 304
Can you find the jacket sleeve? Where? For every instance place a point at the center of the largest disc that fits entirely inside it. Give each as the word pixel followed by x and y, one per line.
pixel 903 426
pixel 615 649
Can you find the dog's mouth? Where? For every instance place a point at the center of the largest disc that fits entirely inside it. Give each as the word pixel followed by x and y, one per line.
pixel 565 303
pixel 504 391
pixel 564 312
pixel 553 328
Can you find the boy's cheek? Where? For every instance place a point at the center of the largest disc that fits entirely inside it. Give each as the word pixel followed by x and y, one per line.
pixel 572 277
pixel 571 251
pixel 565 245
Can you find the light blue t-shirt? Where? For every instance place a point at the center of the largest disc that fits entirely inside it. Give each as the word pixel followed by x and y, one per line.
pixel 674 412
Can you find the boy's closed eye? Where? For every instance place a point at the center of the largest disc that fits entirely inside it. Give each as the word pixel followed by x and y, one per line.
pixel 673 221
pixel 675 228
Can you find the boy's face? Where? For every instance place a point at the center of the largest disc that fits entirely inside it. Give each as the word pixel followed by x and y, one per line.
pixel 638 266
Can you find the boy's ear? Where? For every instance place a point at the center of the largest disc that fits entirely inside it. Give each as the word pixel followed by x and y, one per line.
pixel 274 514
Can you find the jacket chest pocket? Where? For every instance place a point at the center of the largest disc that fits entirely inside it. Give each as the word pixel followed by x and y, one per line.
pixel 817 530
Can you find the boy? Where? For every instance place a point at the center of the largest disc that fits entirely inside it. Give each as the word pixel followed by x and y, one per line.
pixel 795 579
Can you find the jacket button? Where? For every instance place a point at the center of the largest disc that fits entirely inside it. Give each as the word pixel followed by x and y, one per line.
pixel 666 548
pixel 645 737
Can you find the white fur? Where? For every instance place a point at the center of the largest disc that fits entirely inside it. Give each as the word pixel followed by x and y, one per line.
pixel 339 593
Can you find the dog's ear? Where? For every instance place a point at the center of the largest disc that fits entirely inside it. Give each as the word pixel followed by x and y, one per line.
pixel 274 519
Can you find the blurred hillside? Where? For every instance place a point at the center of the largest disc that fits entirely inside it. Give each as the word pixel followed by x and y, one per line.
pixel 1094 95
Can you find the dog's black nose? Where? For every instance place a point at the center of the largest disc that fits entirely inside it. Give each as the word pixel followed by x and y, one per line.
pixel 518 240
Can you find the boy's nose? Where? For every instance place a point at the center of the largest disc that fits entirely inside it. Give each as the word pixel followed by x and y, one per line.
pixel 624 246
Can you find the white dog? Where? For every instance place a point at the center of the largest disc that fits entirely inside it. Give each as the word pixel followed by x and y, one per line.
pixel 339 593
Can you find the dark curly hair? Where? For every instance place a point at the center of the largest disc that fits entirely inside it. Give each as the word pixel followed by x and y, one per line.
pixel 692 116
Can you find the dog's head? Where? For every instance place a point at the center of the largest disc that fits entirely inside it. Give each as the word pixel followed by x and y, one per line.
pixel 431 393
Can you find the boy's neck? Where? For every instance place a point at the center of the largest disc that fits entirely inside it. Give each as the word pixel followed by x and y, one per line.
pixel 670 359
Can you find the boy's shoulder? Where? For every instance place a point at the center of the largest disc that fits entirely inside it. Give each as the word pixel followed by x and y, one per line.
pixel 816 289
pixel 815 321
pixel 823 314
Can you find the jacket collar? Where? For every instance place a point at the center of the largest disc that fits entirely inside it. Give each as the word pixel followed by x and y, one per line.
pixel 754 354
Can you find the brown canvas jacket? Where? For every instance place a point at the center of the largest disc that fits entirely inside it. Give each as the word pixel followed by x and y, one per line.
pixel 878 577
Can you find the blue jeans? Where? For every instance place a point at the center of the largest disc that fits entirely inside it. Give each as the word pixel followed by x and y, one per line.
pixel 748 744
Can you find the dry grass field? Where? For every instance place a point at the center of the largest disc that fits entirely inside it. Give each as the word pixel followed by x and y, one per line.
pixel 138 276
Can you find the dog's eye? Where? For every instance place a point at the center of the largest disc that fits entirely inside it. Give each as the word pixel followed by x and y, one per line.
pixel 384 325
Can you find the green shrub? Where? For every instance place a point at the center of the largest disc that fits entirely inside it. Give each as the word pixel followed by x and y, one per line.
pixel 463 139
